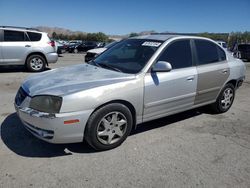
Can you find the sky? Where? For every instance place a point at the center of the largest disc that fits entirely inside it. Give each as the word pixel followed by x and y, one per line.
pixel 126 16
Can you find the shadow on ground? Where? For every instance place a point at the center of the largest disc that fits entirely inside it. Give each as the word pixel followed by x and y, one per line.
pixel 15 68
pixel 21 142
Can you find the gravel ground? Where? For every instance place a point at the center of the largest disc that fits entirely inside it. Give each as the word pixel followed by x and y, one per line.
pixel 190 149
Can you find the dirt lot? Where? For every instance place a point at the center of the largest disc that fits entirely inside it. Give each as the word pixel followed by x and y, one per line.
pixel 191 149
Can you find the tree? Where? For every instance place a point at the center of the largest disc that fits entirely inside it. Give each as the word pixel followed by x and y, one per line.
pixel 54 35
pixel 133 34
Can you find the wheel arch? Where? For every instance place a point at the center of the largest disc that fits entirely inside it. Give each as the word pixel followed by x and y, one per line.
pixel 37 53
pixel 233 82
pixel 124 102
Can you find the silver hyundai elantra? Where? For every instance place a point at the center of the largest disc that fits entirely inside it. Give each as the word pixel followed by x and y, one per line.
pixel 137 80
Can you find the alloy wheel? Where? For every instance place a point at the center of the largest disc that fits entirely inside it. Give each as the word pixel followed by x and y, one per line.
pixel 227 98
pixel 111 128
pixel 36 63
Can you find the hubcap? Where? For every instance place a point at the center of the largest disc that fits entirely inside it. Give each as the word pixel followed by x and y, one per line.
pixel 227 98
pixel 36 63
pixel 111 128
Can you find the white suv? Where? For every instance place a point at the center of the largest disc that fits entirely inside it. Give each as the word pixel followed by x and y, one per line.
pixel 24 46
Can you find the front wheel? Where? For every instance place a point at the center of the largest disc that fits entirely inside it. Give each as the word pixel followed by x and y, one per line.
pixel 225 99
pixel 109 126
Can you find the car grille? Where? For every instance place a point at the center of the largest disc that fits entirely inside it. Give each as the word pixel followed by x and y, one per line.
pixel 20 96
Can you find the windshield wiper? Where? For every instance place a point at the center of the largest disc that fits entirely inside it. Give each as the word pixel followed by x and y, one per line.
pixel 109 67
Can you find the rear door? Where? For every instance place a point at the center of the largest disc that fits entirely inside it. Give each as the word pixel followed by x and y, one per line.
pixel 173 91
pixel 213 70
pixel 15 47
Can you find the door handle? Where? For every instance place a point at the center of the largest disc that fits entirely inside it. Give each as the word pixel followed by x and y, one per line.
pixel 190 78
pixel 27 46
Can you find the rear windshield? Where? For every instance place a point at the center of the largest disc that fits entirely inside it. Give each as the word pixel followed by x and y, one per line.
pixel 34 36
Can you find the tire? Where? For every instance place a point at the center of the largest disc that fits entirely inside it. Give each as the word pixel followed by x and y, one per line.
pixel 36 63
pixel 108 126
pixel 75 51
pixel 225 99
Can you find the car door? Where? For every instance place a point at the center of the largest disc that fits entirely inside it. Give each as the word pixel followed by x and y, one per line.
pixel 213 70
pixel 15 47
pixel 173 91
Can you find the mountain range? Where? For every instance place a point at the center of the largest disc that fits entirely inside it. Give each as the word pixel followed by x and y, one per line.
pixel 59 30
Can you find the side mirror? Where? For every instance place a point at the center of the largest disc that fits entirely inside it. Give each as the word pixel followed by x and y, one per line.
pixel 162 66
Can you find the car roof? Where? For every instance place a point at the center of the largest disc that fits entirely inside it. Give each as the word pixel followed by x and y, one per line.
pixel 20 29
pixel 165 37
pixel 155 37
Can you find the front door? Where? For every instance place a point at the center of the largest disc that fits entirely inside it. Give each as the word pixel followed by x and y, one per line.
pixel 15 47
pixel 173 91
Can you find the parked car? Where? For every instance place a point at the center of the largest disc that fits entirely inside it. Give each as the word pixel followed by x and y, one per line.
pixel 82 47
pixel 222 44
pixel 60 48
pixel 100 44
pixel 70 45
pixel 28 47
pixel 138 80
pixel 243 51
pixel 91 54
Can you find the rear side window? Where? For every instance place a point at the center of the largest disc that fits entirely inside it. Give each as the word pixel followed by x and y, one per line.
pixel 34 36
pixel 14 36
pixel 178 54
pixel 221 53
pixel 207 52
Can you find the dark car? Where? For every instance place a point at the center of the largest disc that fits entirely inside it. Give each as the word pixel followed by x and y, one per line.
pixel 70 45
pixel 243 51
pixel 82 47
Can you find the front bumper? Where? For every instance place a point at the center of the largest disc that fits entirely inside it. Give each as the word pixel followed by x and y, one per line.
pixel 52 57
pixel 52 127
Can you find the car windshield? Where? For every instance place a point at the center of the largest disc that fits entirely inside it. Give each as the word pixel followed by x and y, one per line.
pixel 128 56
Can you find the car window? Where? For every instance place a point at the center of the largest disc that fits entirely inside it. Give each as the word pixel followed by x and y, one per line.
pixel 222 54
pixel 14 36
pixel 34 36
pixel 178 54
pixel 224 45
pixel 207 52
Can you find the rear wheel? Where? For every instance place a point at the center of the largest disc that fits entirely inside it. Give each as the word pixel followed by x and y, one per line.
pixel 225 99
pixel 109 126
pixel 35 63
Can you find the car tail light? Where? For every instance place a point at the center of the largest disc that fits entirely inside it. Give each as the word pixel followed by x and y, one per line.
pixel 52 43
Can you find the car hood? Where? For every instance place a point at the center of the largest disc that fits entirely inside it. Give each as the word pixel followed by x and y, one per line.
pixel 71 79
pixel 97 50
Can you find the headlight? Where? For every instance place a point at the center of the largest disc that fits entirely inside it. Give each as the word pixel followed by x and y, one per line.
pixel 46 103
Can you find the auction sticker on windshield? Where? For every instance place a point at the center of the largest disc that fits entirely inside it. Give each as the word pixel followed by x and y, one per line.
pixel 153 44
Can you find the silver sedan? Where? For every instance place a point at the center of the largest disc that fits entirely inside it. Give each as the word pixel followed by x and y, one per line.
pixel 137 80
